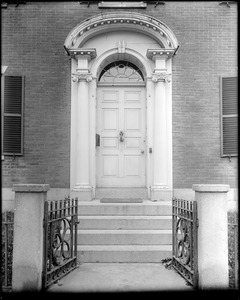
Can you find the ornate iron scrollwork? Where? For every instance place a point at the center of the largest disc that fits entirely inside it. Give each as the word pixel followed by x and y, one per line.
pixel 185 224
pixel 61 249
pixel 183 241
pixel 60 239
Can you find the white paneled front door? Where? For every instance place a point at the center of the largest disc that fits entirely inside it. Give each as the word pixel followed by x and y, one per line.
pixel 121 126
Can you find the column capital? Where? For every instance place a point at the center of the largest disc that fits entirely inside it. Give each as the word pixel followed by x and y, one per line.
pixel 76 77
pixel 83 53
pixel 163 76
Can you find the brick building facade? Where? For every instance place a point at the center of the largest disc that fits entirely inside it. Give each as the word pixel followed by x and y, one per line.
pixel 33 36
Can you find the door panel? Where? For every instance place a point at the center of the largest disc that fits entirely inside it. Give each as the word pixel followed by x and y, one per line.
pixel 121 163
pixel 110 143
pixel 132 119
pixel 132 143
pixel 132 164
pixel 110 119
pixel 110 165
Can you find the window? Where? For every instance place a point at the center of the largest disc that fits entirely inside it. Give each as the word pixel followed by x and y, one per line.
pixel 12 115
pixel 229 116
pixel 121 71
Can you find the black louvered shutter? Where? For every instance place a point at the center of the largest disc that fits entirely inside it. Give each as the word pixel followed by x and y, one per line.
pixel 229 116
pixel 13 115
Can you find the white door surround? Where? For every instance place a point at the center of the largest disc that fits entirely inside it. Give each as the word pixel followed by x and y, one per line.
pixel 150 45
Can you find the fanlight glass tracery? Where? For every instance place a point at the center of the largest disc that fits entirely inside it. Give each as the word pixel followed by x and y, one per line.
pixel 121 71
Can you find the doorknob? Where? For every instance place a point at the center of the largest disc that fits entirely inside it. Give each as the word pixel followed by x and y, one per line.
pixel 142 151
pixel 121 136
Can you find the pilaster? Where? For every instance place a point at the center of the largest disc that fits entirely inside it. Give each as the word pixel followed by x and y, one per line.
pixel 161 188
pixel 80 168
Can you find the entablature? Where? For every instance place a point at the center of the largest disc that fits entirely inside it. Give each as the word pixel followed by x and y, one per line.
pixel 89 53
pixel 164 53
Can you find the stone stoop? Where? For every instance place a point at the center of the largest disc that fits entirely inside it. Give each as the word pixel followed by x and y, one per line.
pixel 124 232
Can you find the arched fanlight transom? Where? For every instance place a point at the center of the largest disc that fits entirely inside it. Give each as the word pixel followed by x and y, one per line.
pixel 121 71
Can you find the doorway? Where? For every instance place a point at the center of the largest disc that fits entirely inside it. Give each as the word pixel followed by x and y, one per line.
pixel 121 124
pixel 147 46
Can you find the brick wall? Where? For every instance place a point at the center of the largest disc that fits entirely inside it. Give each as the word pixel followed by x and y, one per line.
pixel 207 35
pixel 32 45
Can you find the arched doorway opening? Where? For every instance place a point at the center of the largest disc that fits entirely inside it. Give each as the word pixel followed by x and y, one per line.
pixel 121 126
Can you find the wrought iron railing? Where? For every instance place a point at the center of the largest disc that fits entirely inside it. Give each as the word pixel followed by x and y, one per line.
pixel 60 239
pixel 233 250
pixel 185 223
pixel 7 250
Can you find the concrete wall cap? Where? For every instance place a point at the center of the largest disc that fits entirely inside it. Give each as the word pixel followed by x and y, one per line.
pixel 211 188
pixel 31 188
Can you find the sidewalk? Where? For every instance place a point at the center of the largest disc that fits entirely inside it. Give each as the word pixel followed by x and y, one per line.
pixel 121 277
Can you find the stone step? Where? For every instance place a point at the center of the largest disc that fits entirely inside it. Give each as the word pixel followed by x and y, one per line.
pixel 147 208
pixel 121 193
pixel 125 222
pixel 123 253
pixel 124 232
pixel 124 237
